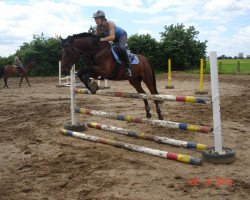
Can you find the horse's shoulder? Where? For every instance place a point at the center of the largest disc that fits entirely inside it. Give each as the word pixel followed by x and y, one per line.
pixel 106 45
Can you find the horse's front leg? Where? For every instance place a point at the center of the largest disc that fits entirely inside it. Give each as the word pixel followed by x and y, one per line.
pixel 85 78
pixel 21 81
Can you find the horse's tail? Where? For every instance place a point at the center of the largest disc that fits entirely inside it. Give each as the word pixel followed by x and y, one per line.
pixel 1 72
pixel 154 79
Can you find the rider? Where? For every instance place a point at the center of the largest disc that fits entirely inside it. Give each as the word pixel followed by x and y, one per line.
pixel 19 65
pixel 111 32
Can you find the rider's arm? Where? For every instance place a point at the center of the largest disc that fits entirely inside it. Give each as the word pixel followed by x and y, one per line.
pixel 111 36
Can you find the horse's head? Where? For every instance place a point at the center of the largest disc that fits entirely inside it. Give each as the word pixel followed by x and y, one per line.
pixel 33 64
pixel 73 47
pixel 30 64
pixel 70 55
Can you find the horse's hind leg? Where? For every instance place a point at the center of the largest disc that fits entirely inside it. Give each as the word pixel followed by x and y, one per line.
pixel 158 109
pixel 5 82
pixel 153 90
pixel 137 85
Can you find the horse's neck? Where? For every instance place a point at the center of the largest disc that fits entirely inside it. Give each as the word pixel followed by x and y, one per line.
pixel 104 45
pixel 29 66
pixel 90 46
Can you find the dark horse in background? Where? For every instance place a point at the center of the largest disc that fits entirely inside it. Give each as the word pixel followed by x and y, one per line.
pixel 100 61
pixel 11 70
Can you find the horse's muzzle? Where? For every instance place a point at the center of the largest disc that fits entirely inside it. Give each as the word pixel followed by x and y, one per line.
pixel 65 70
pixel 66 73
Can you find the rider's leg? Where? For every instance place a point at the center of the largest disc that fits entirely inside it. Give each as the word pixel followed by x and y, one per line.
pixel 20 70
pixel 122 40
pixel 127 63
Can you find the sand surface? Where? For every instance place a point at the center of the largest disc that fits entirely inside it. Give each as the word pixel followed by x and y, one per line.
pixel 38 162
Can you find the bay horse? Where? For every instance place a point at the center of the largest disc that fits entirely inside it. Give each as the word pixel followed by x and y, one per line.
pixel 100 62
pixel 10 70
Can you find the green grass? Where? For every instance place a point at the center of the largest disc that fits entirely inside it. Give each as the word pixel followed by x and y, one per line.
pixel 228 66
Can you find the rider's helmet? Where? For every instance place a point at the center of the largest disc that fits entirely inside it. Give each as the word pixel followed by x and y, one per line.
pixel 99 13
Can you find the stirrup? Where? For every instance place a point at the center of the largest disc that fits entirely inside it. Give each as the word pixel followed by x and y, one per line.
pixel 128 73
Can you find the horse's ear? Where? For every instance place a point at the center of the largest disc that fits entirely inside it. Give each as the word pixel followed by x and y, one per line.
pixel 67 41
pixel 63 42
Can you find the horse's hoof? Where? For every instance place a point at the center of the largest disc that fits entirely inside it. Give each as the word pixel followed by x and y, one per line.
pixel 161 118
pixel 93 87
pixel 149 115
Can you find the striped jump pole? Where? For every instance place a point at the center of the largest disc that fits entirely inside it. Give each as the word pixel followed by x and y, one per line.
pixel 137 148
pixel 188 99
pixel 162 123
pixel 164 140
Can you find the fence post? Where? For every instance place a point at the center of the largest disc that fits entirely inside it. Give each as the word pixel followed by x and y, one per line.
pixel 238 67
pixel 201 92
pixel 169 86
pixel 220 67
pixel 60 73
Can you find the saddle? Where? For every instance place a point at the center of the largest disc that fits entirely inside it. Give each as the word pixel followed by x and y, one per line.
pixel 116 51
pixel 20 70
pixel 118 56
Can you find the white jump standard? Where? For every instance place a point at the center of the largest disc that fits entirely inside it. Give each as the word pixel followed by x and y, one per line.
pixel 217 154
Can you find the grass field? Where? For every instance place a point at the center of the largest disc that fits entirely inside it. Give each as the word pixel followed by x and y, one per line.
pixel 229 66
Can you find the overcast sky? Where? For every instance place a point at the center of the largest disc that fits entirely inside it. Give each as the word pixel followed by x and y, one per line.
pixel 224 23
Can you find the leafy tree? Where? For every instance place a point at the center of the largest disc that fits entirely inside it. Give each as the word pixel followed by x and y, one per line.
pixel 176 42
pixel 181 46
pixel 92 30
pixel 148 47
pixel 45 51
pixel 6 61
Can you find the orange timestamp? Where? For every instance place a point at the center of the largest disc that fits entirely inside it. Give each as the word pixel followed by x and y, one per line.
pixel 219 182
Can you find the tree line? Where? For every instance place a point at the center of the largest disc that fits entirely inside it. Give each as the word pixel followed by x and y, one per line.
pixel 176 42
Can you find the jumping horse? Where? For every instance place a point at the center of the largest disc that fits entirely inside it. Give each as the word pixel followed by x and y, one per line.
pixel 101 62
pixel 11 70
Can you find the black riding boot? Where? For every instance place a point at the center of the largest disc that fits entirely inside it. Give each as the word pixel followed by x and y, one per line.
pixel 127 64
pixel 20 71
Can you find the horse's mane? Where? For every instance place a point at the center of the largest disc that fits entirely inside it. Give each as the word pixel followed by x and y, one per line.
pixel 69 39
pixel 80 35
